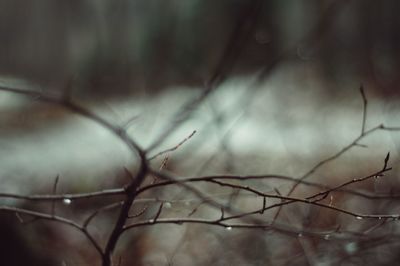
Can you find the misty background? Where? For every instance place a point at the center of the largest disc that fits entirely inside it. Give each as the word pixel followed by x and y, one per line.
pixel 287 97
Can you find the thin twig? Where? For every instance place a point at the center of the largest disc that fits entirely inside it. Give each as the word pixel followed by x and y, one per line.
pixel 237 42
pixel 172 148
pixel 289 200
pixel 158 213
pixel 96 212
pixel 354 143
pixel 53 203
pixel 139 213
pixel 365 103
pixel 71 196
pixel 170 181
pixel 55 218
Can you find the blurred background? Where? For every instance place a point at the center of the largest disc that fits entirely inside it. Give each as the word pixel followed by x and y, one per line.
pixel 285 78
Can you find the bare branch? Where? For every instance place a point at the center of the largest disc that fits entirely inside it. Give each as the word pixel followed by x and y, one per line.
pixel 289 200
pixel 119 132
pixel 280 228
pixel 172 180
pixel 173 148
pixel 158 213
pixel 96 212
pixel 235 45
pixel 365 103
pixel 355 180
pixel 129 122
pixel 139 213
pixel 53 203
pixel 354 143
pixel 55 218
pixel 61 197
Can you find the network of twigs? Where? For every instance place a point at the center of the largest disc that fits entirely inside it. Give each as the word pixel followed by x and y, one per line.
pixel 230 217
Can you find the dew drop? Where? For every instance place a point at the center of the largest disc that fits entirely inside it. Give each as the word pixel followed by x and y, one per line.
pixel 167 205
pixel 229 228
pixel 351 248
pixel 67 201
pixel 300 235
pixel 359 218
pixel 327 237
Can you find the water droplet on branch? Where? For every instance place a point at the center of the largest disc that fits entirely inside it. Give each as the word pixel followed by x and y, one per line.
pixel 67 201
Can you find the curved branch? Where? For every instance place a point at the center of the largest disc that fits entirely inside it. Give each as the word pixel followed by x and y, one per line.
pixel 71 196
pixel 55 218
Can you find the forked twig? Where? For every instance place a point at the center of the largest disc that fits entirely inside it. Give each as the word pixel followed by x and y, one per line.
pixel 354 143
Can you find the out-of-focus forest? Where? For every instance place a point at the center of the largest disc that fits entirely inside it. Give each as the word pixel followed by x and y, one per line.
pixel 115 47
pixel 235 87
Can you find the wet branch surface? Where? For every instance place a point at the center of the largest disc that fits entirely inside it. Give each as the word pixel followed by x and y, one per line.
pixel 133 192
